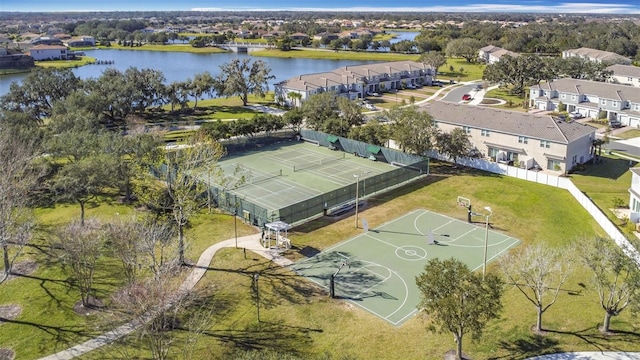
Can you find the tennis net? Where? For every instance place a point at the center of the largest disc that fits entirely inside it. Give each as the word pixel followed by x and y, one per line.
pixel 252 178
pixel 317 163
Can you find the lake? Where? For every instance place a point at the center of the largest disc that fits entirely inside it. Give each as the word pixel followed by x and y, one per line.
pixel 178 66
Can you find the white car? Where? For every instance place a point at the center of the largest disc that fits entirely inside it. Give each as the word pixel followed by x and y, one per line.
pixel 370 107
pixel 576 115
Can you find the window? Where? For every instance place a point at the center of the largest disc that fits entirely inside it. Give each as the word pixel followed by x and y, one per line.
pixel 563 96
pixel 553 165
pixel 485 133
pixel 603 102
pixel 630 79
pixel 523 139
pixel 467 130
pixel 615 103
pixel 573 97
pixel 575 159
pixel 493 152
pixel 545 144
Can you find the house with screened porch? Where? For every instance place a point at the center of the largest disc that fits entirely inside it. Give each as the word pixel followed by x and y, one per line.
pixel 520 139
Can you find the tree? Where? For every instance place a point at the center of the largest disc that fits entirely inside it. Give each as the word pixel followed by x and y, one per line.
pixel 538 272
pixel 85 163
pixel 615 275
pixel 39 91
pixel 318 108
pixel 413 130
pixel 18 175
pixel 454 144
pixel 518 71
pixel 202 84
pixel 187 170
pixel 457 300
pixel 241 77
pixel 81 246
pixel 373 132
pixel 466 48
pixel 294 119
pixel 433 59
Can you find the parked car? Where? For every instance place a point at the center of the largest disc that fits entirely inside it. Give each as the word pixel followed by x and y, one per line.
pixel 466 97
pixel 615 124
pixel 370 107
pixel 375 94
pixel 576 115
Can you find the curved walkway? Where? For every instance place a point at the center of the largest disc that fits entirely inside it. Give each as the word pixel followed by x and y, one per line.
pixel 250 242
pixel 590 355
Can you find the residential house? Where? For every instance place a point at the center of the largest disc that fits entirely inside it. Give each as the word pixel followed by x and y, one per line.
pixel 326 35
pixel 634 196
pixel 14 59
pixel 617 102
pixel 625 74
pixel 354 81
pixel 46 40
pixel 48 52
pixel 491 54
pixel 299 37
pixel 80 41
pixel 596 56
pixel 513 137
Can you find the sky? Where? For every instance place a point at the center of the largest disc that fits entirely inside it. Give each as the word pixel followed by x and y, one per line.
pixel 537 6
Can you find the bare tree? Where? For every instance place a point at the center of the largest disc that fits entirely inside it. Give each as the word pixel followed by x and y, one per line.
pixel 81 248
pixel 17 176
pixel 188 170
pixel 538 272
pixel 162 312
pixel 615 276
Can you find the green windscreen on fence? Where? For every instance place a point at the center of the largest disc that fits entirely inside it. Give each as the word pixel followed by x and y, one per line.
pixel 406 167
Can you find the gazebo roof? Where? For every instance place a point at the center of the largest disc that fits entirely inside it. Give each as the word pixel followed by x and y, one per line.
pixel 278 225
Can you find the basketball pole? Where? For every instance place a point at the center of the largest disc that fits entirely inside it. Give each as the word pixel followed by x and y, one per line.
pixel 357 195
pixel 486 238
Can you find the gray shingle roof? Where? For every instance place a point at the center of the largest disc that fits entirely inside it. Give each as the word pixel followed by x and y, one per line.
pixel 508 122
pixel 602 90
pixel 597 54
pixel 349 74
pixel 625 70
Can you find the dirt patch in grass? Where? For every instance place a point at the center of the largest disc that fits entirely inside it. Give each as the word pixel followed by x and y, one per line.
pixel 95 305
pixel 7 354
pixel 9 312
pixel 23 268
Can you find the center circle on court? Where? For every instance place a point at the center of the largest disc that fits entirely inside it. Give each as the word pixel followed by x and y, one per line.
pixel 411 253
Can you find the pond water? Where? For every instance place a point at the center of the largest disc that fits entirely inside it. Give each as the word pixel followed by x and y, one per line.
pixel 178 66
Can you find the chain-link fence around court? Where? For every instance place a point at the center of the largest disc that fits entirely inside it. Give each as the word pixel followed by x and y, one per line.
pixel 408 167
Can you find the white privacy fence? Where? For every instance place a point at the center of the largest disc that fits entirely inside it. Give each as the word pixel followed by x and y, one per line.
pixel 556 181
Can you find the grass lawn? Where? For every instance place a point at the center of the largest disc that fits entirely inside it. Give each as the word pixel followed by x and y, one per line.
pixel 300 318
pixel 606 182
pixel 64 64
pixel 472 71
pixel 334 55
pixel 167 47
pixel 514 102
pixel 631 133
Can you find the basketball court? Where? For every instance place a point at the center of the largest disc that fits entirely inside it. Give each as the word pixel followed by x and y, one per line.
pixel 376 270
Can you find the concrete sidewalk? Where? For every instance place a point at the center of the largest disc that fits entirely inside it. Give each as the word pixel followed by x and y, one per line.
pixel 590 355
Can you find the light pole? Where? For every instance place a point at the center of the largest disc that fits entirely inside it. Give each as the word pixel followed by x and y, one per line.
pixel 255 283
pixel 486 238
pixel 357 195
pixel 235 225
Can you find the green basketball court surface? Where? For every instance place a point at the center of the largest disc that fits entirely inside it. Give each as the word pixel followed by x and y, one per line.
pixel 379 266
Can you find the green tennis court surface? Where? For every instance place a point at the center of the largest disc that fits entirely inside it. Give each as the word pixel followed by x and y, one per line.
pixel 383 262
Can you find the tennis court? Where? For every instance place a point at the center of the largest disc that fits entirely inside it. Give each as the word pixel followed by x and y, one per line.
pixel 294 180
pixel 380 265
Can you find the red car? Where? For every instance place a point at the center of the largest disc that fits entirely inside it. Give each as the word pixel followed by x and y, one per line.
pixel 466 97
